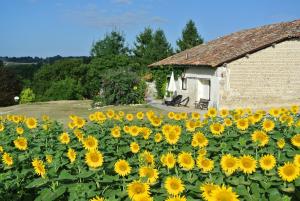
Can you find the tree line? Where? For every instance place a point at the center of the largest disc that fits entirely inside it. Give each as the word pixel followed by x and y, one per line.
pixel 113 74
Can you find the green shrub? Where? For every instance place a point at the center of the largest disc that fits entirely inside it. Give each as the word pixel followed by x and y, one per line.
pixel 122 87
pixel 27 96
pixel 67 89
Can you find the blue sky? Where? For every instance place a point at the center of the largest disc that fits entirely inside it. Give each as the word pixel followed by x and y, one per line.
pixel 69 27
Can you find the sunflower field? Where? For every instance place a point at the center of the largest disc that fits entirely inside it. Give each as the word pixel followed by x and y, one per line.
pixel 225 155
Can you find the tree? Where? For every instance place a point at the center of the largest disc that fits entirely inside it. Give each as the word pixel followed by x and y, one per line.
pixel 10 87
pixel 160 48
pixel 27 96
pixel 143 45
pixel 190 37
pixel 112 44
pixel 1 64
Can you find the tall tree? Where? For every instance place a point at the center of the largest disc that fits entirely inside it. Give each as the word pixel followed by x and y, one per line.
pixel 112 44
pixel 1 64
pixel 189 38
pixel 142 46
pixel 160 48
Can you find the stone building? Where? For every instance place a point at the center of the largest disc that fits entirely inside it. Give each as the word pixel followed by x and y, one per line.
pixel 255 68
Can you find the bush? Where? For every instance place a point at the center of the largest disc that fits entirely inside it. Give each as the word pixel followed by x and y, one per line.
pixel 10 87
pixel 67 89
pixel 27 96
pixel 122 87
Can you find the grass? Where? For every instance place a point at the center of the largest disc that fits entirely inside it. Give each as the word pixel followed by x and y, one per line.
pixel 60 110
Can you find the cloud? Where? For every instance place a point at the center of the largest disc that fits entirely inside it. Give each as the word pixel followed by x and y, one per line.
pixel 92 16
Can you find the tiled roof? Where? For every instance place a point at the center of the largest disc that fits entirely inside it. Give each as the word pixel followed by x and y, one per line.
pixel 234 46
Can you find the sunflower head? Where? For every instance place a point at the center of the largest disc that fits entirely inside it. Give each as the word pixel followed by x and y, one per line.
pixel 260 137
pixel 174 185
pixel 31 122
pixel 39 167
pixel 206 190
pixel 122 168
pixel 21 143
pixel 223 193
pixel 281 143
pixel 242 124
pixel 90 143
pixel 288 172
pixel 267 162
pixel 296 140
pixel 71 155
pixel 247 164
pixel 216 128
pixel 97 198
pixel 229 164
pixel 186 160
pixel 7 159
pixel 136 189
pixel 151 174
pixel 64 138
pixel 205 164
pixel 94 159
pixel 268 125
pixel 134 147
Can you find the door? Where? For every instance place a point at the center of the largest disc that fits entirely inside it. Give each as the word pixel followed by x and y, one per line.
pixel 203 89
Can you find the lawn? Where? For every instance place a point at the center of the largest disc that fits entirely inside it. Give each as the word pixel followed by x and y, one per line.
pixel 60 110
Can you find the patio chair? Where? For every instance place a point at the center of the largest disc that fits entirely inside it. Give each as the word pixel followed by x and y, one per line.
pixel 186 100
pixel 202 104
pixel 175 101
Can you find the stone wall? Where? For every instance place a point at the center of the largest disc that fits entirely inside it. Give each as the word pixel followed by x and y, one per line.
pixel 269 77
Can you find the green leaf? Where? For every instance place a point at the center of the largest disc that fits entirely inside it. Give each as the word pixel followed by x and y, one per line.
pixel 65 175
pixel 37 182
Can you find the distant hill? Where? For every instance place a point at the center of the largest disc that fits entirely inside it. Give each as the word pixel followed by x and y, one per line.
pixel 8 61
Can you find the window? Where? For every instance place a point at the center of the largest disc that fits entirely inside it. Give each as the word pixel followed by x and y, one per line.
pixel 183 83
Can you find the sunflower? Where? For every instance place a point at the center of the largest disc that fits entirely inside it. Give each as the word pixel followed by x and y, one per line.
pixel 97 198
pixel 79 122
pixel 39 167
pixel 242 124
pixel 156 121
pixel 7 159
pixel 229 164
pixel 134 147
pixel 143 198
pixel 71 155
pixel 94 159
pixel 296 140
pixel 140 115
pixel 202 152
pixel 110 113
pixel 212 112
pixel 157 137
pixel 20 130
pixel 275 112
pixel 64 138
pixel 221 193
pixel 216 128
pixel 186 160
pixel 200 139
pixel 294 109
pixel 90 143
pixel 205 164
pixel 267 162
pixel 171 115
pixel 137 189
pixel 147 158
pixel 260 137
pixel 129 117
pixel 227 122
pixel 207 189
pixel 190 126
pixel 247 164
pixel 1 127
pixel 1 149
pixel 281 143
pixel 297 160
pixel 196 115
pixel 169 160
pixel 174 185
pixel 21 143
pixel 176 198
pixel 257 117
pixel 116 132
pixel 134 130
pixel 150 173
pixel 224 113
pixel 172 136
pixel 288 172
pixel 122 168
pixel 268 125
pixel 31 123
pixel 145 132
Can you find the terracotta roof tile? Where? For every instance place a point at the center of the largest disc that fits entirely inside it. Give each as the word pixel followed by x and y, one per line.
pixel 233 46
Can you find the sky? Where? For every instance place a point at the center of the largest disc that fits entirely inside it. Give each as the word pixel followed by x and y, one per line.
pixel 46 28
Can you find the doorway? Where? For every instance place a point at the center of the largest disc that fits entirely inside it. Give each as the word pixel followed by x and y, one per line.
pixel 203 89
